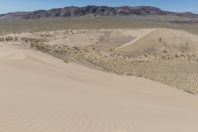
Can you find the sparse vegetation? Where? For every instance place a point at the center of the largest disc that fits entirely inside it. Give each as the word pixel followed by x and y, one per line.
pixel 124 22
pixel 177 74
pixel 66 61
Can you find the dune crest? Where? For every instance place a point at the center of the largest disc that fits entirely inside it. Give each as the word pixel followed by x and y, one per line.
pixel 162 39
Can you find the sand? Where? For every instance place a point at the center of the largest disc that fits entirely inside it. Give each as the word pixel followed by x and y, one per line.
pixel 40 93
pixel 159 39
pixel 138 34
pixel 164 55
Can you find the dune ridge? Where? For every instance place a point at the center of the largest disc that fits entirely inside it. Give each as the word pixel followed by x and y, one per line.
pixel 41 93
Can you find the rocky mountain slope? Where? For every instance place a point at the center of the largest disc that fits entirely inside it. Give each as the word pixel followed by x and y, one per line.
pixel 94 11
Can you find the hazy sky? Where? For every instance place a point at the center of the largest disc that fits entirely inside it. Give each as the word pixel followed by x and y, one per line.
pixel 30 5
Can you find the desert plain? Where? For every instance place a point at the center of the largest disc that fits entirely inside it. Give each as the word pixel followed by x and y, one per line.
pixel 99 80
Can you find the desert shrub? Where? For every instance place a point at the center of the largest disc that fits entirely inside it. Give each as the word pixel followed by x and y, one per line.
pixel 8 38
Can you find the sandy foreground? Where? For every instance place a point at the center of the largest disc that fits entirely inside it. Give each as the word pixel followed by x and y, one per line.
pixel 39 93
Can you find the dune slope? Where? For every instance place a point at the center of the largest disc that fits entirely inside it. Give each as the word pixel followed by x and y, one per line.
pixel 39 93
pixel 161 39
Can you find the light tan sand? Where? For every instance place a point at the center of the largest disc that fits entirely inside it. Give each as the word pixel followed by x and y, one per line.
pixel 163 39
pixel 39 93
pixel 103 37
pixel 138 34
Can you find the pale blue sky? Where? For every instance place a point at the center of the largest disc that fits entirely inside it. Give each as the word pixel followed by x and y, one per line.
pixel 30 5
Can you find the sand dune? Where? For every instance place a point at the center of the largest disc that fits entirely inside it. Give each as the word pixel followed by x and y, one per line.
pixel 138 34
pixel 162 39
pixel 39 93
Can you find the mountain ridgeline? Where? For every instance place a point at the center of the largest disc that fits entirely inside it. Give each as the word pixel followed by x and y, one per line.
pixel 73 11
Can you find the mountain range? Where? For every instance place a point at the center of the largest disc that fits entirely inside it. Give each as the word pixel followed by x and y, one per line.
pixel 73 11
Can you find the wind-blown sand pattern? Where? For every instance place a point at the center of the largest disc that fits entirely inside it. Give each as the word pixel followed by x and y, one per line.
pixel 40 93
